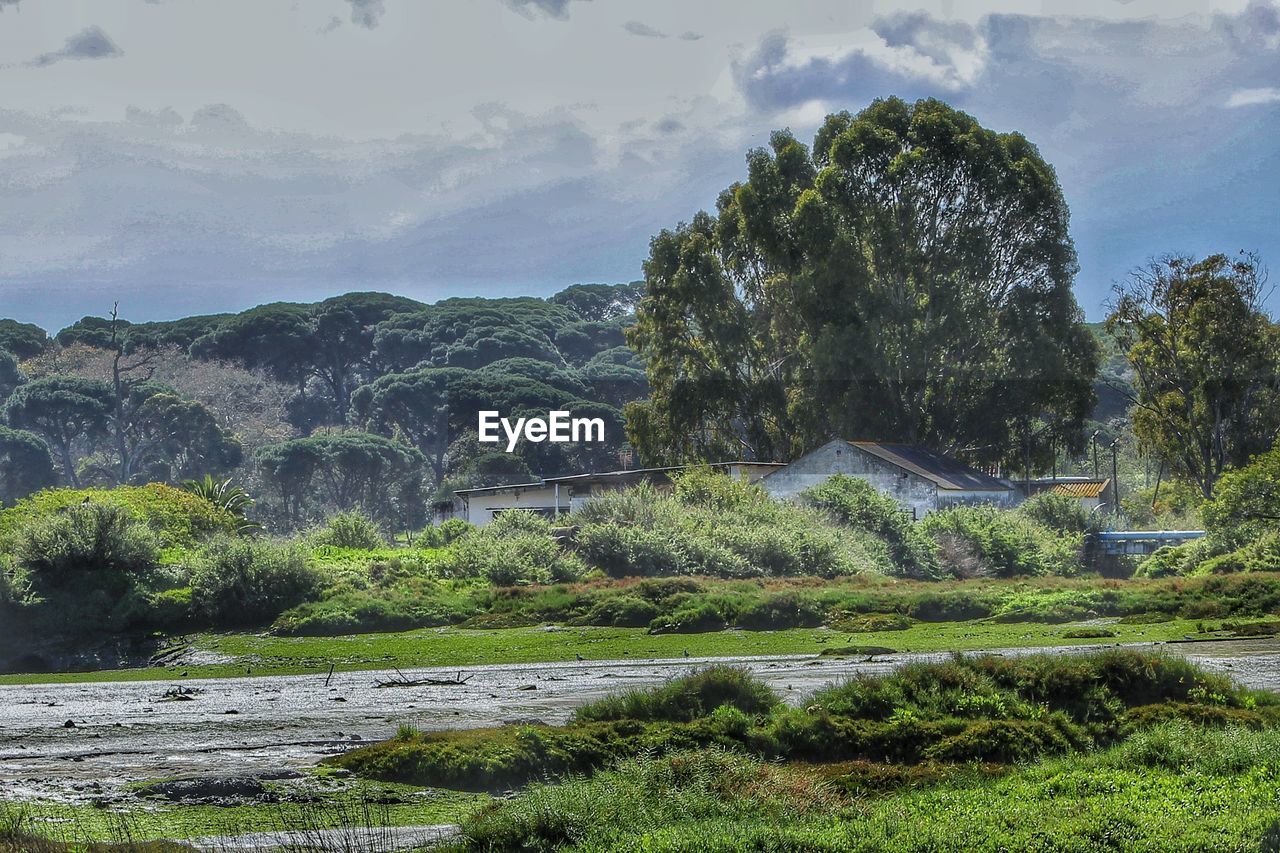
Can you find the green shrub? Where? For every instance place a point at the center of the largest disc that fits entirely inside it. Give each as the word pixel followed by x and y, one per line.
pixel 1177 560
pixel 516 548
pixel 686 698
pixel 712 524
pixel 178 518
pixel 695 618
pixel 353 530
pixel 624 611
pixel 170 609
pixel 781 611
pixel 872 622
pixel 1060 513
pixel 1260 555
pixel 858 504
pixel 238 582
pixel 359 612
pixel 983 541
pixel 98 538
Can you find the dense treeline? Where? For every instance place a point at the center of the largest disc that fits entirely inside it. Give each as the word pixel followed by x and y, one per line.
pixel 363 401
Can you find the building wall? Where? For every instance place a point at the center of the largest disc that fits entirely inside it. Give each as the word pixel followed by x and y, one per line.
pixel 482 507
pixel 914 493
pixel 956 497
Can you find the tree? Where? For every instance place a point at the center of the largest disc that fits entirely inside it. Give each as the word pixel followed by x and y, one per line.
pixel 181 440
pixel 601 301
pixel 24 340
pixel 1206 362
pixel 26 465
pixel 347 471
pixel 909 279
pixel 10 376
pixel 62 409
pixel 1246 501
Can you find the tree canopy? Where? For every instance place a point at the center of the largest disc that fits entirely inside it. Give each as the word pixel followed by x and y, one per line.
pixel 909 278
pixel 1206 363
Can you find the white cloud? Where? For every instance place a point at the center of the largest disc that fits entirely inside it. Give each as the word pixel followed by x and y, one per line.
pixel 89 43
pixel 1254 97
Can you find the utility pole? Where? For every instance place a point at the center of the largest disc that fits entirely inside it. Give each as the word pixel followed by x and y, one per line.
pixel 1115 475
pixel 1094 442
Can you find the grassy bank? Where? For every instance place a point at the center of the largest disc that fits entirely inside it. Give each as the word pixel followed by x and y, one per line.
pixel 268 655
pixel 311 805
pixel 1126 798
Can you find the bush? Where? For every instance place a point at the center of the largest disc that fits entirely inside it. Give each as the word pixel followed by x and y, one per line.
pixel 712 524
pixel 856 503
pixel 178 518
pixel 444 533
pixel 241 582
pixel 349 530
pixel 624 611
pixel 355 612
pixel 86 538
pixel 778 612
pixel 686 698
pixel 983 541
pixel 516 548
pixel 1060 513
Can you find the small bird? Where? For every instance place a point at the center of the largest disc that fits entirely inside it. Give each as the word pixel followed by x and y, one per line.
pixel 686 652
pixel 578 656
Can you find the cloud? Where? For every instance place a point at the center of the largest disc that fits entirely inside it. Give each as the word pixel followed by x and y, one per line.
pixel 558 9
pixel 13 3
pixel 1254 97
pixel 90 43
pixel 908 54
pixel 332 24
pixel 637 28
pixel 367 13
pixel 690 35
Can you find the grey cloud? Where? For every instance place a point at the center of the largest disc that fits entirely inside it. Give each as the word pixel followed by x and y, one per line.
pixel 558 9
pixel 332 25
pixel 367 13
pixel 90 43
pixel 690 35
pixel 638 28
pixel 13 3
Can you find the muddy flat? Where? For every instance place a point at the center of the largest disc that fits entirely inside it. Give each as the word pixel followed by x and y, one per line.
pixel 57 738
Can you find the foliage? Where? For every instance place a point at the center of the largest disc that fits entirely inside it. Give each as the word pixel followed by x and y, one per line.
pixel 1060 513
pixel 100 538
pixel 1246 503
pixel 686 698
pixel 346 471
pixel 227 496
pixel 714 525
pixel 983 541
pixel 349 530
pixel 24 340
pixel 856 503
pixel 26 464
pixel 909 278
pixel 178 518
pixel 61 410
pixel 1206 359
pixel 516 548
pixel 243 582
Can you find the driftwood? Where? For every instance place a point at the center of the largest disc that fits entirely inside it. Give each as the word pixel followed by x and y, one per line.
pixel 456 681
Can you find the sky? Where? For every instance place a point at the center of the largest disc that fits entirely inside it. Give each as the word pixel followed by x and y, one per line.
pixel 197 156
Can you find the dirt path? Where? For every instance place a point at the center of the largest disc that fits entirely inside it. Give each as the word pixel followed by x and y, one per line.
pixel 129 731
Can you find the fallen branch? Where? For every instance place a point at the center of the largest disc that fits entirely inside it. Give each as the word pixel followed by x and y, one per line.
pixel 456 681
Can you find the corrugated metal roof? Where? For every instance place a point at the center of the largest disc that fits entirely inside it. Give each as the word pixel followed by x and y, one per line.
pixel 1084 489
pixel 946 472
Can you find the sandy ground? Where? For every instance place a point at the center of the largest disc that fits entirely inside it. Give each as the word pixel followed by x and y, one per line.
pixel 130 731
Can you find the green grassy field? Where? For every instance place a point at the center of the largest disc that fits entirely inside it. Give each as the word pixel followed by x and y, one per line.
pixel 313 805
pixel 456 647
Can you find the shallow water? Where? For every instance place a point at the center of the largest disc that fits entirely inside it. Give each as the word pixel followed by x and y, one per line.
pixel 129 731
